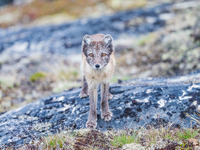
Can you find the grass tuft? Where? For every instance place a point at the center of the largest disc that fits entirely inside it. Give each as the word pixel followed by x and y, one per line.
pixel 123 139
pixel 37 76
pixel 187 134
pixel 60 140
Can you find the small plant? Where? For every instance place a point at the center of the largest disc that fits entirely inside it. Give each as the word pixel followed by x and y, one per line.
pixel 37 76
pixel 187 134
pixel 58 141
pixel 123 139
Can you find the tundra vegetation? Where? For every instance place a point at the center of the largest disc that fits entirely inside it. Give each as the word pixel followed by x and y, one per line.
pixel 143 138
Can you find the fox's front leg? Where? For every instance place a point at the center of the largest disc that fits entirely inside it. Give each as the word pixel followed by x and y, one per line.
pixel 92 118
pixel 105 112
pixel 84 90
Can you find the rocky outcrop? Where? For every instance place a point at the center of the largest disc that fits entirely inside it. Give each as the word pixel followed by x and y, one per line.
pixel 136 103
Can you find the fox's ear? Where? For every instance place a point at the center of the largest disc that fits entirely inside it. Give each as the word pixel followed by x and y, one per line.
pixel 107 39
pixel 87 39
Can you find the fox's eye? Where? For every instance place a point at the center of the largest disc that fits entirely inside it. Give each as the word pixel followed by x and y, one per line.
pixel 91 55
pixel 103 54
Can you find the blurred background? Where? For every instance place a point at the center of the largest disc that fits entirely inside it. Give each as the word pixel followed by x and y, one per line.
pixel 40 42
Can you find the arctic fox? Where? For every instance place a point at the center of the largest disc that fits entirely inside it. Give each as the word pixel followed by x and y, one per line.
pixel 98 63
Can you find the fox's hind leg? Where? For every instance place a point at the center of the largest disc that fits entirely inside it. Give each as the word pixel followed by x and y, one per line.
pixel 84 90
pixel 110 96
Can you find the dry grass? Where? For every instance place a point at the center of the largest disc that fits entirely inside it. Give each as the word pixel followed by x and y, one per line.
pixel 194 119
pixel 151 138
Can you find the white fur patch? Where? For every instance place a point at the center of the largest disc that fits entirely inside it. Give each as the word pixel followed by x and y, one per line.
pixel 97 76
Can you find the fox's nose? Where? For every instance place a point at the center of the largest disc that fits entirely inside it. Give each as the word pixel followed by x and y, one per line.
pixel 97 66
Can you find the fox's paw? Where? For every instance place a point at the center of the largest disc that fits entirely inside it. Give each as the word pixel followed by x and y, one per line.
pixel 106 116
pixel 83 94
pixel 110 96
pixel 91 125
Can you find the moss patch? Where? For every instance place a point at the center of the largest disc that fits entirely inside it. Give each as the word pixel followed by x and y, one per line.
pixel 37 76
pixel 123 139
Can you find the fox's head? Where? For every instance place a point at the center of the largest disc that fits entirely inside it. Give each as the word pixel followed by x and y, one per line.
pixel 97 49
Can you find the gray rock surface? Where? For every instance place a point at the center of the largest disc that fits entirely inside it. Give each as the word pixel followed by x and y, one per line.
pixel 136 103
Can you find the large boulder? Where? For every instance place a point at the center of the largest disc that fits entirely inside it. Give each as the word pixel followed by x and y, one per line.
pixel 136 103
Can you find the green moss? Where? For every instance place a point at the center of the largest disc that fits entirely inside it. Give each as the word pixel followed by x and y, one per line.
pixel 123 139
pixel 37 76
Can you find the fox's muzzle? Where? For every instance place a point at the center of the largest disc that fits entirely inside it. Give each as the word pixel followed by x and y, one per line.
pixel 97 66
